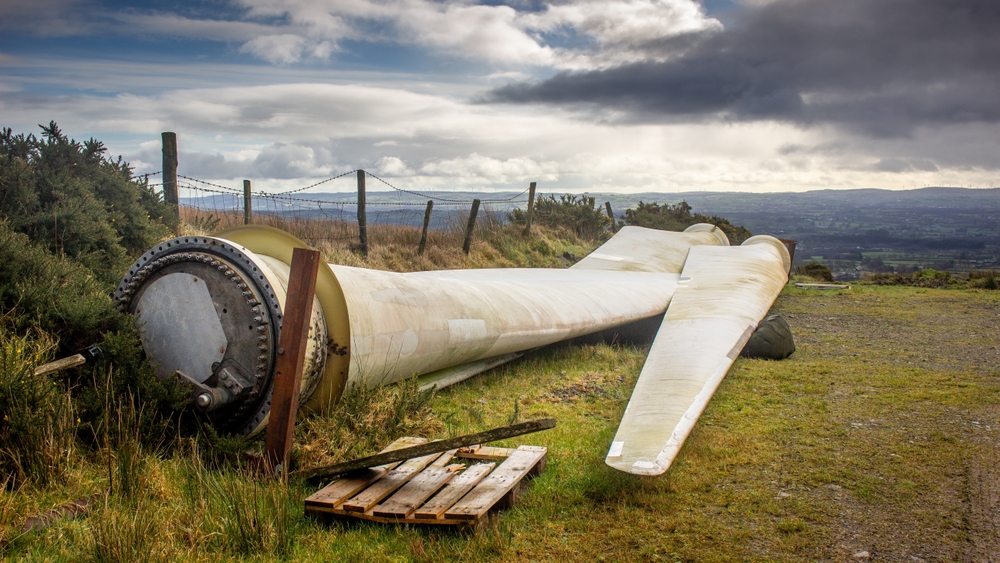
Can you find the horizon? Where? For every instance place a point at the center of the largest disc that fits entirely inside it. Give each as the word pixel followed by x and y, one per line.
pixel 605 96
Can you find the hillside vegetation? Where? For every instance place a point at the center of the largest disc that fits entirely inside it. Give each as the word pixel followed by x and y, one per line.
pixel 876 439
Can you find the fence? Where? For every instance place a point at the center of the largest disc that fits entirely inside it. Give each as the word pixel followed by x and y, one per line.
pixel 338 217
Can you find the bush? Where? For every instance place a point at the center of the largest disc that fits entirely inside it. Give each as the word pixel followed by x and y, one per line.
pixel 679 217
pixel 816 271
pixel 73 201
pixel 577 215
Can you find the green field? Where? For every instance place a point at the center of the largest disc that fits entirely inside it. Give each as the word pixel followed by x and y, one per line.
pixel 879 435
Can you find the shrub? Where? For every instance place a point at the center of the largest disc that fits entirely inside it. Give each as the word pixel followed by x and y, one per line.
pixel 816 271
pixel 577 215
pixel 73 201
pixel 679 217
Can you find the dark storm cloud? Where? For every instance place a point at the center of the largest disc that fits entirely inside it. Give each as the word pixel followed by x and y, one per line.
pixel 880 66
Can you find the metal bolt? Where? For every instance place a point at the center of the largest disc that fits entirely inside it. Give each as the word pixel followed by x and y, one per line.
pixel 204 400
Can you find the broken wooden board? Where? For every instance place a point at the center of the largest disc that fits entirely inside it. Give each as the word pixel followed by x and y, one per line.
pixel 433 491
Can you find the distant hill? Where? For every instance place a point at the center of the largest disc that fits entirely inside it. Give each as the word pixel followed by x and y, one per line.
pixel 852 231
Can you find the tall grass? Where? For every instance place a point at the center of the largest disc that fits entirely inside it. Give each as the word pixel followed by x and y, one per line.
pixel 37 429
pixel 495 243
pixel 128 532
pixel 364 421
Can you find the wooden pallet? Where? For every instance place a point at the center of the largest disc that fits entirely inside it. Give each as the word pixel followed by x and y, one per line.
pixel 455 488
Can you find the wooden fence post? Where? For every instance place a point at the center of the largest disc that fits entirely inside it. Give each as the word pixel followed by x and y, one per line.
pixel 247 203
pixel 427 222
pixel 531 208
pixel 611 215
pixel 362 219
pixel 472 225
pixel 291 357
pixel 169 141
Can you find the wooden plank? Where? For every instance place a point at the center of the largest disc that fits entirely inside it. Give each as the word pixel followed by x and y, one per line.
pixel 291 357
pixel 495 487
pixel 332 495
pixel 59 365
pixel 485 453
pixel 412 494
pixel 365 500
pixel 431 447
pixel 453 491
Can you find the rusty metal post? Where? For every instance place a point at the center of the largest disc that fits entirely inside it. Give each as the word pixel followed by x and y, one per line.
pixel 291 356
pixel 611 215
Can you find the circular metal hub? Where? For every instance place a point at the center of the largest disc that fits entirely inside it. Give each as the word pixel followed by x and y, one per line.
pixel 208 314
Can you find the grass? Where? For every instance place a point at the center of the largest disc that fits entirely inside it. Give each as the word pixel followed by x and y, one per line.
pixel 879 434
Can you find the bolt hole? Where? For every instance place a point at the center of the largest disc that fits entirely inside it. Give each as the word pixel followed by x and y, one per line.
pixel 224 311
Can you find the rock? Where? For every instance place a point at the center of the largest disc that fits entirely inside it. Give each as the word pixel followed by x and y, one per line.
pixel 862 555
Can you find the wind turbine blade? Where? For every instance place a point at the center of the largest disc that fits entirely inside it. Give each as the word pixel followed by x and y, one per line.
pixel 722 294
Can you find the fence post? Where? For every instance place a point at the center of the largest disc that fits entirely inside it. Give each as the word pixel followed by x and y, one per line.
pixel 362 219
pixel 472 225
pixel 247 203
pixel 169 141
pixel 531 208
pixel 427 222
pixel 291 356
pixel 611 215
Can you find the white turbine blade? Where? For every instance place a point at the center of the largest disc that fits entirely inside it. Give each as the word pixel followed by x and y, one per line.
pixel 723 293
pixel 637 249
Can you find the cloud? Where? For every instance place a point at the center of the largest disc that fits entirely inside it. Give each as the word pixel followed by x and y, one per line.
pixel 880 68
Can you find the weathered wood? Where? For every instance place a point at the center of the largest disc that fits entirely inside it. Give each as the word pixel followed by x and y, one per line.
pixel 430 447
pixel 291 357
pixel 427 223
pixel 365 500
pixel 59 365
pixel 531 208
pixel 471 226
pixel 484 453
pixel 362 217
pixel 453 491
pixel 419 489
pixel 332 495
pixel 169 141
pixel 247 203
pixel 495 487
pixel 611 215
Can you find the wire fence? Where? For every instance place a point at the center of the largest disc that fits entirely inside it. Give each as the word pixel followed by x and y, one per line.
pixel 332 216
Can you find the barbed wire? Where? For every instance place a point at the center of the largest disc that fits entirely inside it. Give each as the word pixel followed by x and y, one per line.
pixel 437 198
pixel 318 183
pixel 228 189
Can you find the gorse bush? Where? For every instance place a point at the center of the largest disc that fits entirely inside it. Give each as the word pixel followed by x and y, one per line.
pixel 678 217
pixel 71 221
pixel 816 271
pixel 577 215
pixel 72 200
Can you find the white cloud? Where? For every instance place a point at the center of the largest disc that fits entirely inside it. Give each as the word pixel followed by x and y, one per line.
pixel 276 49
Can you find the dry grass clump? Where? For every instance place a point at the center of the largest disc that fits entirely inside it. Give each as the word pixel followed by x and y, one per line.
pixel 363 422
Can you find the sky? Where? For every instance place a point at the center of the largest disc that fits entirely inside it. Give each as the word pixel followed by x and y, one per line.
pixel 578 95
